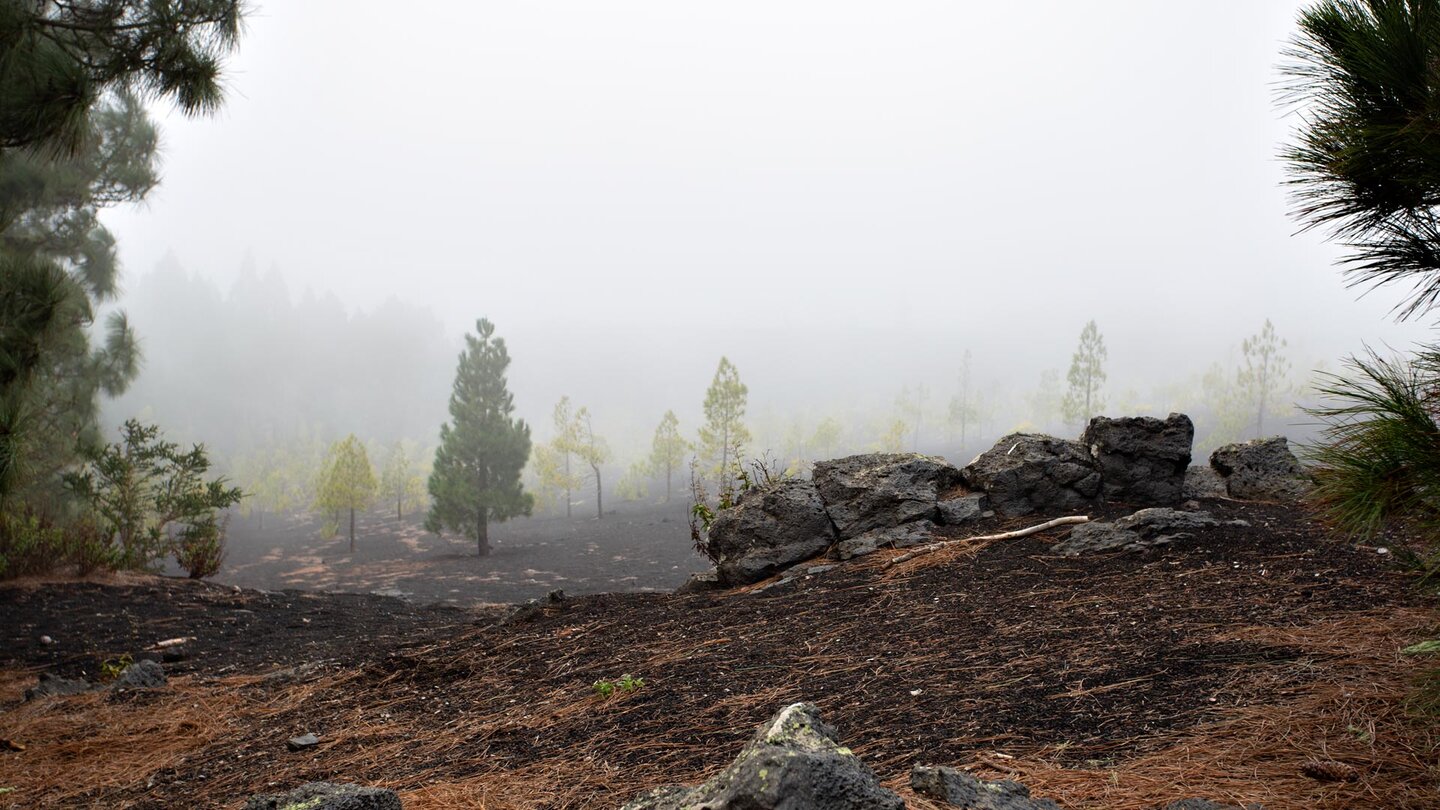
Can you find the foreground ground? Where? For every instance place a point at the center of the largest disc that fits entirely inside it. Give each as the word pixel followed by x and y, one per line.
pixel 1217 667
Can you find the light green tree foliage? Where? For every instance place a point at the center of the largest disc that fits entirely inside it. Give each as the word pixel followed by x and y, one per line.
pixel 826 439
pixel 961 414
pixel 153 499
pixel 592 450
pixel 401 480
pixel 634 485
pixel 1263 378
pixel 667 450
pixel 556 463
pixel 483 449
pixel 347 481
pixel 911 404
pixel 891 436
pixel 723 437
pixel 1046 403
pixel 1086 377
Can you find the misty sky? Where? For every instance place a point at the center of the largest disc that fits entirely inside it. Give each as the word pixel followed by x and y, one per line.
pixel 841 196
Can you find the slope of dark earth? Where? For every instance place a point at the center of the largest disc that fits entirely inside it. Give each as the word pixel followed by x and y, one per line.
pixel 1002 656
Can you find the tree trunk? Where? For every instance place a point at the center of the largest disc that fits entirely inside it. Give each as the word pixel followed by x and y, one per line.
pixel 567 485
pixel 399 515
pixel 667 481
pixel 599 507
pixel 482 533
pixel 352 530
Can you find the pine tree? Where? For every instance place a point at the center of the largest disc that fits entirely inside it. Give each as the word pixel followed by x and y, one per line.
pixel 826 437
pixel 667 449
pixel 592 450
pixel 483 448
pixel 1263 377
pixel 724 436
pixel 1087 375
pixel 347 481
pixel 556 471
pixel 399 480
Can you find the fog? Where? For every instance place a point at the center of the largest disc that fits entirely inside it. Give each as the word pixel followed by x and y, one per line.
pixel 843 198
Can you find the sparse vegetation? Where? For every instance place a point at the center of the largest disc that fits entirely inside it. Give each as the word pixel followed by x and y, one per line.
pixel 1086 377
pixel 607 688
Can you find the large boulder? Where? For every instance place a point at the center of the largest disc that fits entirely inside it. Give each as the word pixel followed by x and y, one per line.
pixel 1028 472
pixel 881 490
pixel 972 793
pixel 1142 460
pixel 327 796
pixel 794 762
pixel 1146 528
pixel 1204 481
pixel 769 529
pixel 1261 470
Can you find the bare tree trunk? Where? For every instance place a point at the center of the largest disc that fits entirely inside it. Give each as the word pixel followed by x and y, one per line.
pixel 482 533
pixel 668 468
pixel 599 507
pixel 352 530
pixel 567 485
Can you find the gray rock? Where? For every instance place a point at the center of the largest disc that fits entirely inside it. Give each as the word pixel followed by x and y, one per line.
pixel 905 535
pixel 1206 804
pixel 1144 529
pixel 964 509
pixel 880 490
pixel 1204 481
pixel 971 793
pixel 327 796
pixel 54 685
pixel 698 583
pixel 770 529
pixel 1142 460
pixel 794 762
pixel 141 675
pixel 1261 470
pixel 302 742
pixel 1028 472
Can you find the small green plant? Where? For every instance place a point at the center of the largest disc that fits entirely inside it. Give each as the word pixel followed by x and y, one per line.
pixel 625 683
pixel 111 668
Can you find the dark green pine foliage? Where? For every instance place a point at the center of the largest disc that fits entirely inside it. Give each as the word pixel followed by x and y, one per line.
pixel 483 448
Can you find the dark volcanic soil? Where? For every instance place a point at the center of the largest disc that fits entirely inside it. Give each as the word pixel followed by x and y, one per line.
pixel 636 547
pixel 952 659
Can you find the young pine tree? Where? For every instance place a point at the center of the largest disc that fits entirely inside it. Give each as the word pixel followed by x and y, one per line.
pixel 347 482
pixel 667 449
pixel 1262 379
pixel 483 448
pixel 399 480
pixel 557 472
pixel 1087 374
pixel 724 435
pixel 592 450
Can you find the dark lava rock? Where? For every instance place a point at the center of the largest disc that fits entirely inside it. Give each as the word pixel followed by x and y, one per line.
pixel 141 675
pixel 905 535
pixel 1029 472
pixel 327 796
pixel 964 509
pixel 54 685
pixel 967 791
pixel 1261 470
pixel 1142 460
pixel 698 583
pixel 794 762
pixel 880 490
pixel 770 529
pixel 302 742
pixel 1204 481
pixel 1146 528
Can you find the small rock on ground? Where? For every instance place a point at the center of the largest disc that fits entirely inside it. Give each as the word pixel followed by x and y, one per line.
pixel 141 675
pixel 972 793
pixel 302 742
pixel 54 685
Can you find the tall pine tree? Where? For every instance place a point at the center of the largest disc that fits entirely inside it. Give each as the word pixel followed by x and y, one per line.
pixel 723 436
pixel 483 448
pixel 1087 374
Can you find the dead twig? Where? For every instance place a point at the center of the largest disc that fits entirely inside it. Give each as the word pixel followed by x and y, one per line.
pixel 1049 524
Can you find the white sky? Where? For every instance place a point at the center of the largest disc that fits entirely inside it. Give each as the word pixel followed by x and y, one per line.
pixel 839 195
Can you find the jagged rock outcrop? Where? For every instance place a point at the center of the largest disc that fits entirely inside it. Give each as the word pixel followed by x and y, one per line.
pixel 54 685
pixel 881 490
pixel 141 675
pixel 327 796
pixel 905 535
pixel 967 791
pixel 1028 472
pixel 769 529
pixel 1261 470
pixel 1141 459
pixel 1144 529
pixel 794 762
pixel 964 509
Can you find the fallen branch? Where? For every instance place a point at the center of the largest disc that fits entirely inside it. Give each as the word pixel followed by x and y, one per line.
pixel 1049 524
pixel 171 642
